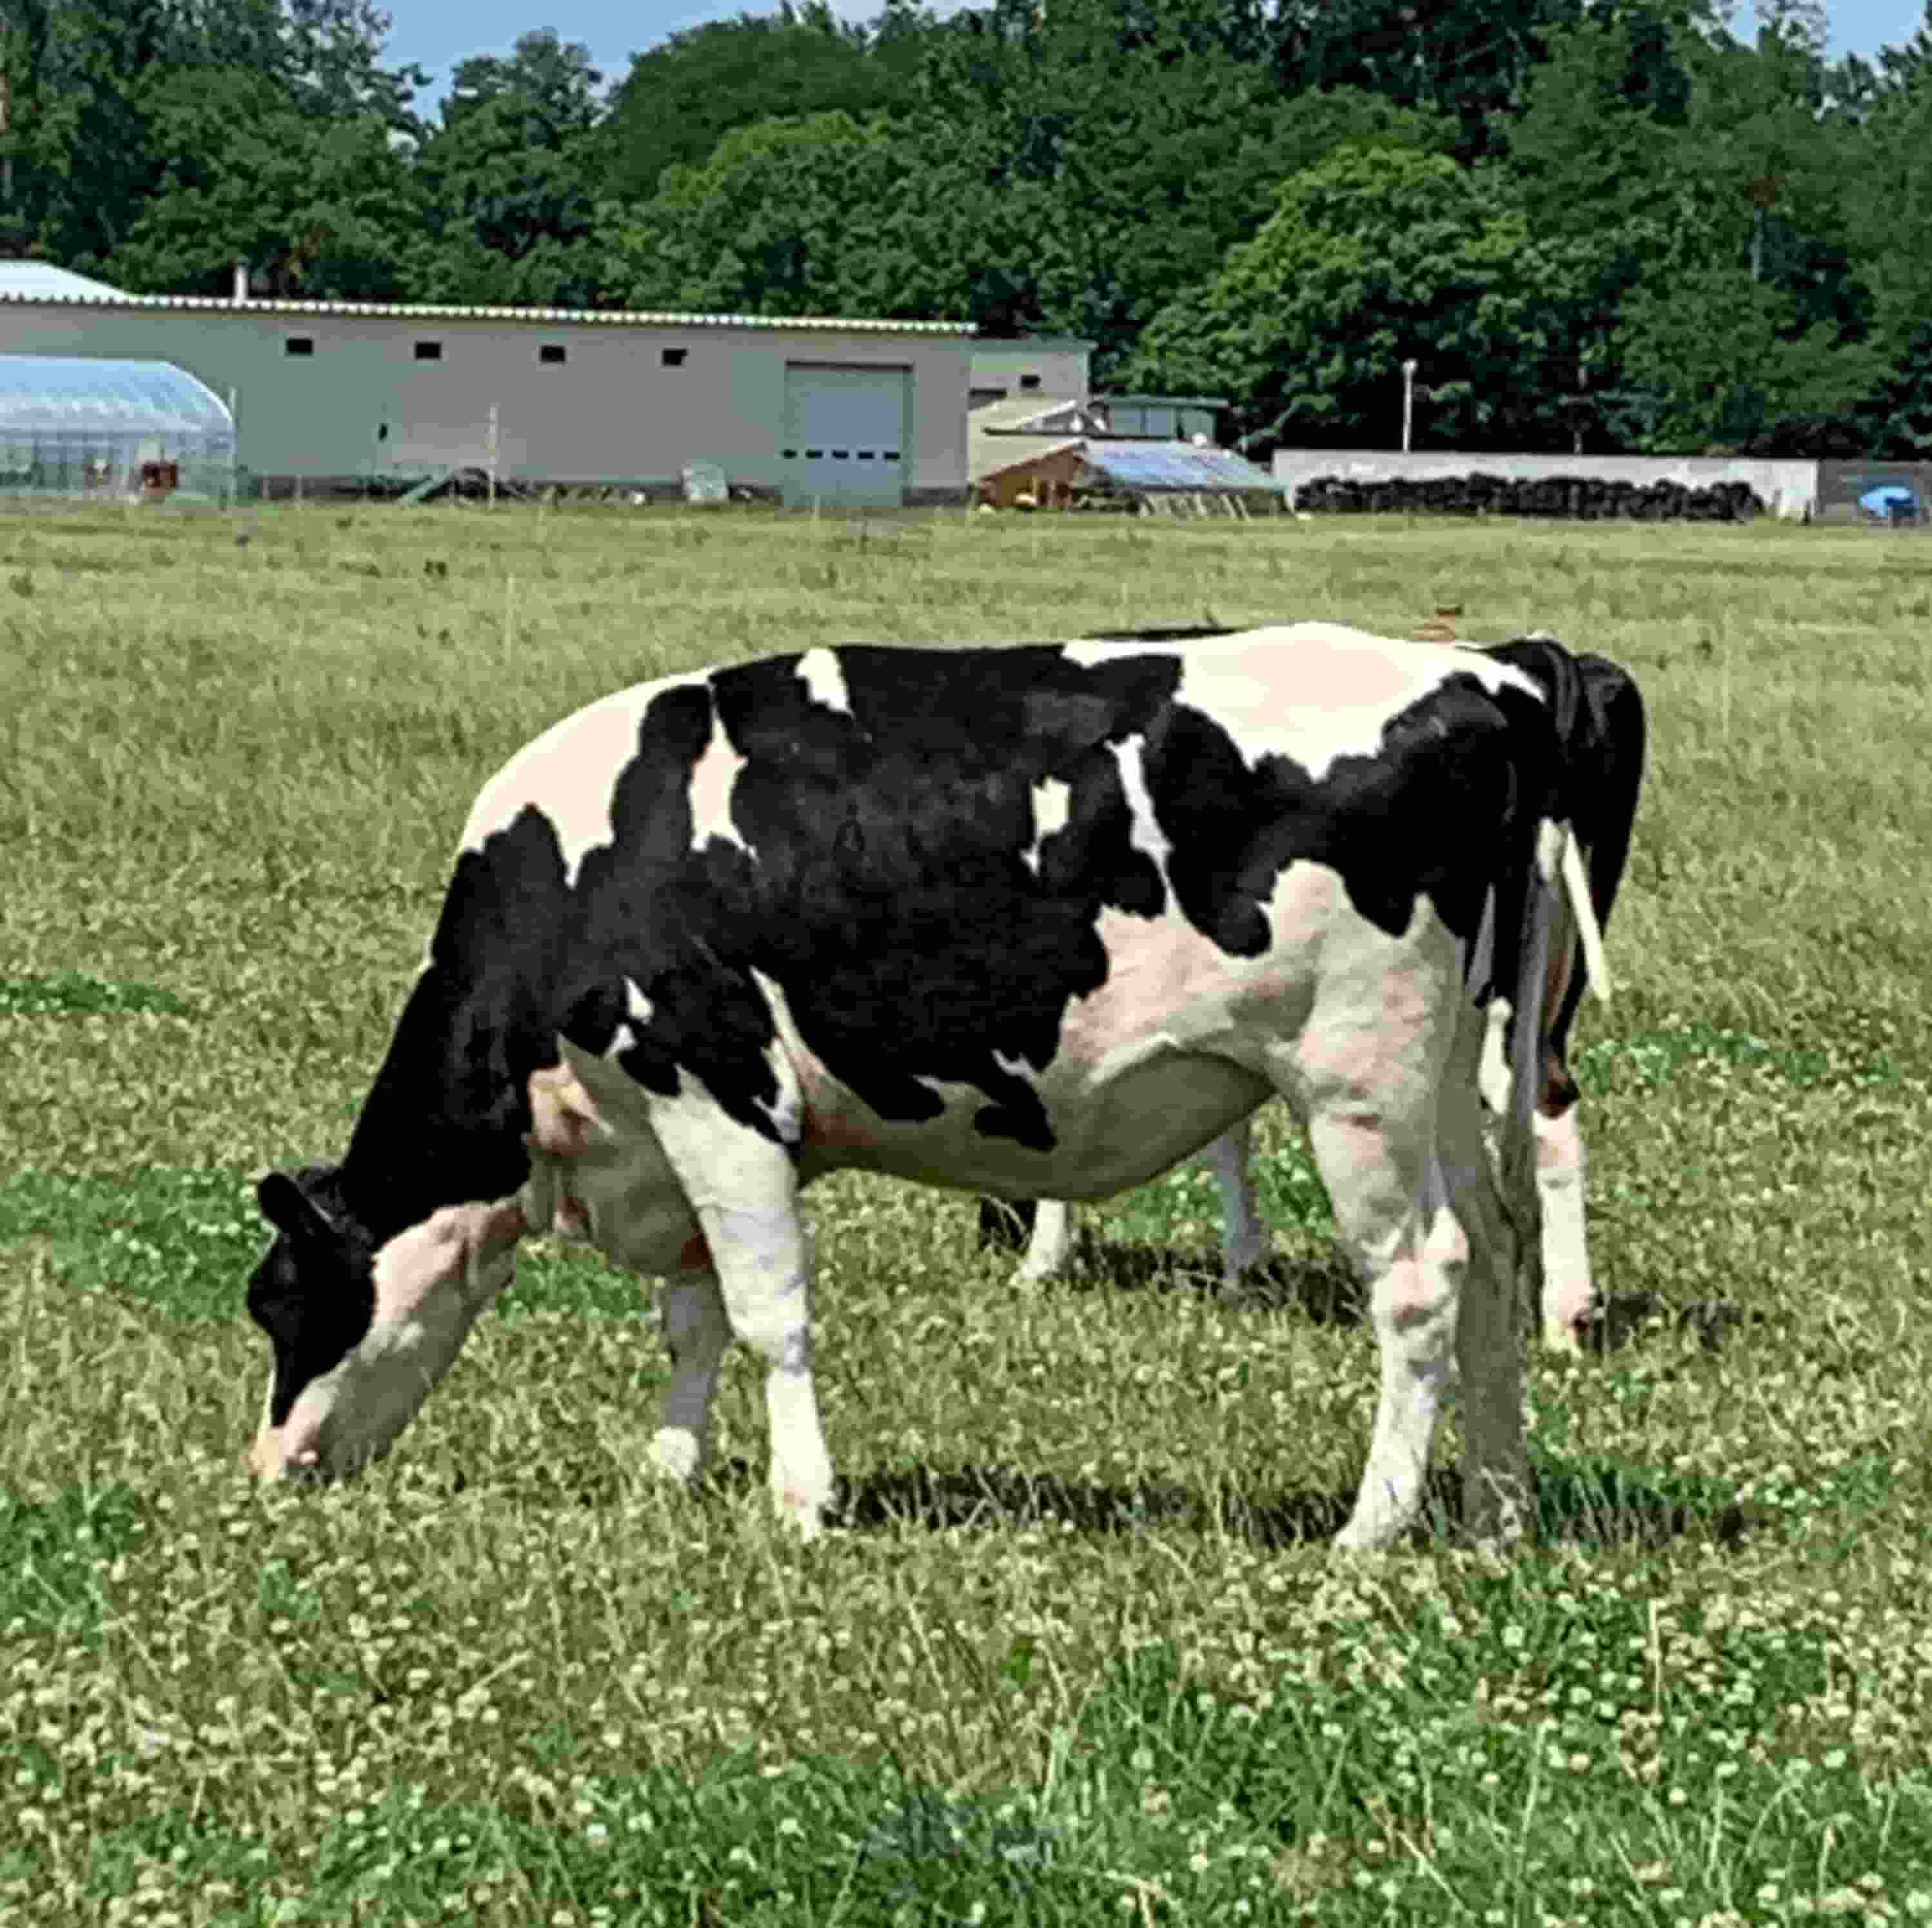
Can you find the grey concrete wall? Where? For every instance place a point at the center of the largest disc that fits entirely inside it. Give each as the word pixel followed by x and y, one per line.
pixel 1786 488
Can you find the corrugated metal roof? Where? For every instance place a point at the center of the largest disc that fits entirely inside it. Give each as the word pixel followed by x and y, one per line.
pixel 1011 415
pixel 41 280
pixel 1174 465
pixel 608 317
pixel 1166 401
pixel 75 394
pixel 1016 451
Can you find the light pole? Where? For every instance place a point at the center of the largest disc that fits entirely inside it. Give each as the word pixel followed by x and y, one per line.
pixel 1408 401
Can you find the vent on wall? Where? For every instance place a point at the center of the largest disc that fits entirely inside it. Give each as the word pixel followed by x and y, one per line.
pixel 429 351
pixel 299 344
pixel 673 358
pixel 551 351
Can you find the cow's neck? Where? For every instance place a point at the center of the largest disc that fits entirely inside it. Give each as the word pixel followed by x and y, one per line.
pixel 443 1123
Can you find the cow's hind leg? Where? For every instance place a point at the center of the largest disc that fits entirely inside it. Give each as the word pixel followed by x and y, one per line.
pixel 1368 1072
pixel 696 1331
pixel 1568 1293
pixel 1244 1238
pixel 1489 1351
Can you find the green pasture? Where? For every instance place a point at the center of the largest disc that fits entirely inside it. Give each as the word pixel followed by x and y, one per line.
pixel 1078 1652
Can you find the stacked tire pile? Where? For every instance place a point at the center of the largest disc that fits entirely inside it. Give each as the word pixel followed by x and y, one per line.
pixel 1581 498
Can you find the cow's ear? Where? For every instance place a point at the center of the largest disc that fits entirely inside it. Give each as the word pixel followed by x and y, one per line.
pixel 291 1211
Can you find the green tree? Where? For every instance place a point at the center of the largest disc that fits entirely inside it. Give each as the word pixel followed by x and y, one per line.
pixel 679 99
pixel 824 215
pixel 1372 258
pixel 1469 60
pixel 507 179
pixel 319 208
pixel 1714 362
pixel 1888 201
pixel 1149 136
pixel 127 122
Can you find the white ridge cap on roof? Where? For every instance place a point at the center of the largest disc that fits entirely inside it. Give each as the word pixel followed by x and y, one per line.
pixel 76 291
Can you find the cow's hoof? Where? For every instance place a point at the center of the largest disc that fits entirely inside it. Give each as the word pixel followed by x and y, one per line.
pixel 675 1454
pixel 800 1515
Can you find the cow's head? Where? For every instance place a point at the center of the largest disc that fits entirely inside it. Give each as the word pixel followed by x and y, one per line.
pixel 362 1330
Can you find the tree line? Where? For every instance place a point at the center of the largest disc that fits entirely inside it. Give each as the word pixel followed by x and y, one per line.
pixel 1594 225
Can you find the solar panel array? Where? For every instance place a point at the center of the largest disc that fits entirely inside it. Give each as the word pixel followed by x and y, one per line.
pixel 1174 465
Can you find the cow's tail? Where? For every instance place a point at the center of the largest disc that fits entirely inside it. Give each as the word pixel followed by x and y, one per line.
pixel 1543 887
pixel 1576 887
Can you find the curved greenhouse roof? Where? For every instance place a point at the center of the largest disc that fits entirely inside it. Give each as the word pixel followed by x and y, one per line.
pixel 77 393
pixel 42 279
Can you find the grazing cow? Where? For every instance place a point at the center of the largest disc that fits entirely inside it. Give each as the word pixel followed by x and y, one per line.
pixel 1030 920
pixel 1600 723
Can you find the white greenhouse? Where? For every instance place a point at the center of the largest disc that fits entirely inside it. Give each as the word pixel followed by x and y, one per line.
pixel 73 425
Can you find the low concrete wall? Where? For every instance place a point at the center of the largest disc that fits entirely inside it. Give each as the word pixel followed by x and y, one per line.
pixel 1786 488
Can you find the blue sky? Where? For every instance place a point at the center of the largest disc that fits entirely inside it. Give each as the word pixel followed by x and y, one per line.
pixel 436 34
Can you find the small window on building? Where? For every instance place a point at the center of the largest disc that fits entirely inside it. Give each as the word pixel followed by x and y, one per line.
pixel 552 352
pixel 429 351
pixel 672 357
pixel 1029 382
pixel 298 344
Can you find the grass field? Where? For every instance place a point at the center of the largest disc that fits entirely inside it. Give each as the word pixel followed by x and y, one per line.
pixel 1079 1653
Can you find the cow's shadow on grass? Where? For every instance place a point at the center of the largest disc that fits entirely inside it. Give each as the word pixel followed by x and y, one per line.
pixel 1621 1319
pixel 1584 1503
pixel 1319 1283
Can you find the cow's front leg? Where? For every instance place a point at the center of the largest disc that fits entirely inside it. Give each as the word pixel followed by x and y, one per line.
pixel 744 1189
pixel 696 1332
pixel 1051 1245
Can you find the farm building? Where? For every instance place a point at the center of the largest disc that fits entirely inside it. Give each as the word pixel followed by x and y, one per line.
pixel 1038 367
pixel 70 425
pixel 1152 451
pixel 353 393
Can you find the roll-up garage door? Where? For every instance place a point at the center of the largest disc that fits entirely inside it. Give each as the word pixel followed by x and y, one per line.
pixel 845 433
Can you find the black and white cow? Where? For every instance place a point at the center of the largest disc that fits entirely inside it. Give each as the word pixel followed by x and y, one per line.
pixel 1601 725
pixel 1031 921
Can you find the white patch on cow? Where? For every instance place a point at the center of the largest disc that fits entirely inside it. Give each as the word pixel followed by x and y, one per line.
pixel 1051 798
pixel 1346 685
pixel 432 1279
pixel 621 1039
pixel 636 1004
pixel 1143 830
pixel 1014 1067
pixel 787 1111
pixel 568 773
pixel 818 669
pixel 711 780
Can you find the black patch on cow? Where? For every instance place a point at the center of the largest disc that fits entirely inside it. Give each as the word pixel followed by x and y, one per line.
pixel 314 1292
pixel 1602 735
pixel 1186 632
pixel 1409 820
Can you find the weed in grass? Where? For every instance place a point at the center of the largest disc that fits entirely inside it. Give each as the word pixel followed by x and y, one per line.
pixel 1077 1652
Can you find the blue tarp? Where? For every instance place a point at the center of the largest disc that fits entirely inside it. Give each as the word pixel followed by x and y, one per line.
pixel 1889 499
